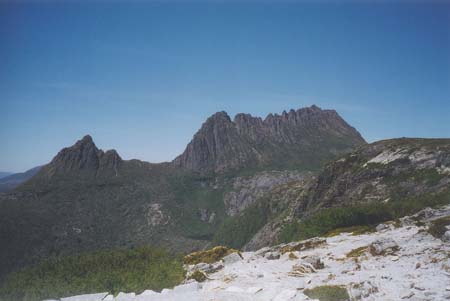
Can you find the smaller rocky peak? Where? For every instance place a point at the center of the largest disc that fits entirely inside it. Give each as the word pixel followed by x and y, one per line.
pixel 110 160
pixel 83 156
pixel 221 116
pixel 112 153
pixel 315 108
pixel 87 139
pixel 246 119
pixel 217 122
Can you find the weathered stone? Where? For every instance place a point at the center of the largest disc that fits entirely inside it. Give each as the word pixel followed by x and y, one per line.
pixel 383 247
pixel 187 287
pixel 272 255
pixel 303 245
pixel 87 297
pixel 314 261
pixel 125 296
pixel 382 227
pixel 231 258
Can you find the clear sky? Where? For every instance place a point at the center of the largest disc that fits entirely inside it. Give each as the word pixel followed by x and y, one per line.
pixel 142 77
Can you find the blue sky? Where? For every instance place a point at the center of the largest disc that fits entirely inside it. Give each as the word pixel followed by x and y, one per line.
pixel 142 77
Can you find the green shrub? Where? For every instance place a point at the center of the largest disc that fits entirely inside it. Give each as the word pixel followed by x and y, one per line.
pixel 328 293
pixel 209 256
pixel 132 270
pixel 439 227
pixel 236 231
pixel 329 219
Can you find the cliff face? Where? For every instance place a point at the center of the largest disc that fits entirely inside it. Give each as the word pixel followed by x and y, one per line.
pixel 82 158
pixel 218 146
pixel 298 138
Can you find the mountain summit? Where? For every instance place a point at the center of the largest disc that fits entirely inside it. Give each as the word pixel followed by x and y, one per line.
pixel 298 138
pixel 84 157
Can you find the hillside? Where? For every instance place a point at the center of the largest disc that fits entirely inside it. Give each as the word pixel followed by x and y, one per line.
pixel 402 260
pixel 87 199
pixel 11 181
pixel 379 181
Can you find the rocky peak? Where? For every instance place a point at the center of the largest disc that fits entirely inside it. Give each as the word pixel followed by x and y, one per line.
pixel 82 156
pixel 222 144
pixel 217 146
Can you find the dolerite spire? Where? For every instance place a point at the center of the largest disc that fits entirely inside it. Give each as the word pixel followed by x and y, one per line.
pixel 217 146
pixel 293 139
pixel 82 158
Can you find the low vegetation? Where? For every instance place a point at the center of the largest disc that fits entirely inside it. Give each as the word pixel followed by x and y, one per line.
pixel 198 276
pixel 236 231
pixel 439 227
pixel 132 270
pixel 209 256
pixel 355 230
pixel 357 252
pixel 329 219
pixel 328 293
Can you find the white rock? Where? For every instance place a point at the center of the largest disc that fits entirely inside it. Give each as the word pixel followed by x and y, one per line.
pixel 148 293
pixel 383 246
pixel 87 297
pixel 285 295
pixel 187 288
pixel 234 289
pixel 125 297
pixel 446 236
pixel 231 258
pixel 406 294
pixel 254 289
pixel 272 255
pixel 108 298
pixel 382 227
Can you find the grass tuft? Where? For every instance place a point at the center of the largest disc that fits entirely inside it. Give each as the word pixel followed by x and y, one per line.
pixel 439 227
pixel 328 293
pixel 209 256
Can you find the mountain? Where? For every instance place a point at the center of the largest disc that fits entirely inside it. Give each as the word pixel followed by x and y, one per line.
pixel 11 181
pixel 88 199
pixel 82 159
pixel 244 184
pixel 299 139
pixel 5 174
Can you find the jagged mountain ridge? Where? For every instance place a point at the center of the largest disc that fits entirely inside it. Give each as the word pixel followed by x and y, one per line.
pixel 288 139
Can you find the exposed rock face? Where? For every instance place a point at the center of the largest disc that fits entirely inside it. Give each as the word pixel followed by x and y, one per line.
pixel 217 147
pixel 223 145
pixel 246 190
pixel 83 157
pixel 382 171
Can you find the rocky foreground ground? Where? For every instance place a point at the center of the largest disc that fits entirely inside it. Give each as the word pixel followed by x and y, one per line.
pixel 399 261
